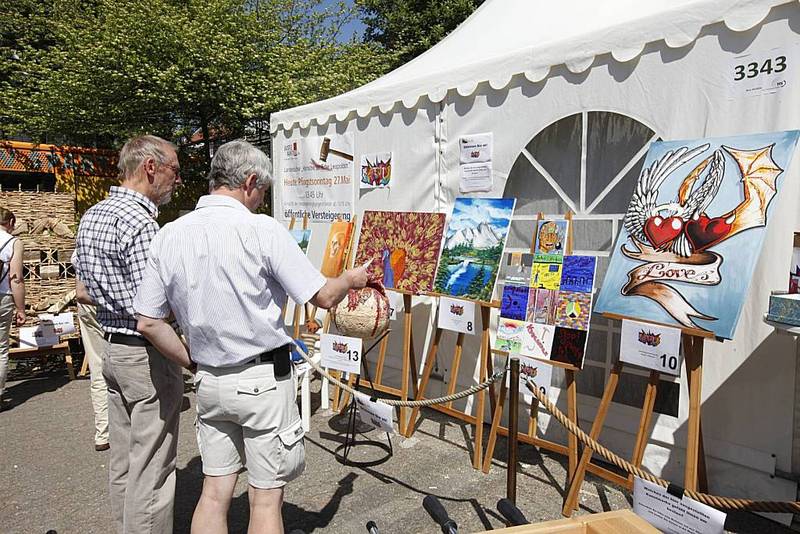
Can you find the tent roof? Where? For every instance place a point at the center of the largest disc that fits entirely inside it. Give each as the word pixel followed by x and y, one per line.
pixel 504 38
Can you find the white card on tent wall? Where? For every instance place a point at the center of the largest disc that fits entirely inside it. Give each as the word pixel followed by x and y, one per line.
pixel 375 413
pixel 476 148
pixel 651 346
pixel 763 72
pixel 457 315
pixel 341 352
pixel 672 514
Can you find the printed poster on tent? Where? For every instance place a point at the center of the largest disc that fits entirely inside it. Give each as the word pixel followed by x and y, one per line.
pixel 316 178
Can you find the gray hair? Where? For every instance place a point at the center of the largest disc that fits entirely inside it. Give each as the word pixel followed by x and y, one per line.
pixel 234 161
pixel 140 148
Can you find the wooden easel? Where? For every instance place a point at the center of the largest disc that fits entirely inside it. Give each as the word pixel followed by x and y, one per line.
pixel 695 471
pixel 296 316
pixel 485 367
pixel 571 450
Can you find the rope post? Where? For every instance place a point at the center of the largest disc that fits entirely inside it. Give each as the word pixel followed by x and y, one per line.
pixel 513 428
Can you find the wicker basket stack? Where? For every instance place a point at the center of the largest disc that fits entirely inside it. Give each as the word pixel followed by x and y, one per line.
pixel 48 272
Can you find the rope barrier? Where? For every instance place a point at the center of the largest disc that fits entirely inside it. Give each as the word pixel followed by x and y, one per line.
pixel 723 503
pixel 412 403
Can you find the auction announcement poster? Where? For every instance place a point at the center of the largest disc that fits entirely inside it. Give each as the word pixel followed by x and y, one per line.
pixel 317 178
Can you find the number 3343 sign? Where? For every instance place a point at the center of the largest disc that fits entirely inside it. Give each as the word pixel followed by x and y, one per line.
pixel 762 73
pixel 652 346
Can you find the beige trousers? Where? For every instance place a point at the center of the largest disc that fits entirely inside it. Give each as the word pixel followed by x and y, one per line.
pixel 144 400
pixel 6 316
pixel 94 346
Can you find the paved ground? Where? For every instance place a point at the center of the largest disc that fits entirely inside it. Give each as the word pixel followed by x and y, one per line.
pixel 51 477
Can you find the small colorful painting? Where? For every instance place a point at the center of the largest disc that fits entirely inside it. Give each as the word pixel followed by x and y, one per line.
pixel 376 170
pixel 403 247
pixel 336 249
pixel 574 309
pixel 546 276
pixel 509 335
pixel 694 229
pixel 568 346
pixel 544 308
pixel 577 273
pixel 517 268
pixel 551 240
pixel 303 238
pixel 537 340
pixel 514 304
pixel 473 246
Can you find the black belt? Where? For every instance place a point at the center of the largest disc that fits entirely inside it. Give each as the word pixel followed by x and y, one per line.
pixel 279 357
pixel 126 339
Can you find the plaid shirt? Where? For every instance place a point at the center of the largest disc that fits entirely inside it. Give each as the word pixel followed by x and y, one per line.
pixel 111 252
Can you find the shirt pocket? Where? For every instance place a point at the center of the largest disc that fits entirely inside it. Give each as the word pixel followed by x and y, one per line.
pixel 255 386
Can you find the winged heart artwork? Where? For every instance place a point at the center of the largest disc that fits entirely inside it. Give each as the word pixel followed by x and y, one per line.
pixel 694 228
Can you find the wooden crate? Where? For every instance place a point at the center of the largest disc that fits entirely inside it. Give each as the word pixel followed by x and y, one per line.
pixel 616 522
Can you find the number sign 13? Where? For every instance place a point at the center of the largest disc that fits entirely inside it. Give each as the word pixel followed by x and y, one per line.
pixel 652 346
pixel 341 352
pixel 457 315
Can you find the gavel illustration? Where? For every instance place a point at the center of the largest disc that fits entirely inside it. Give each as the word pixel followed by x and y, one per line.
pixel 326 149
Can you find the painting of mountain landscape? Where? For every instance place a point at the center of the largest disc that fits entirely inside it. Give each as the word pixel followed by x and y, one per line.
pixel 473 247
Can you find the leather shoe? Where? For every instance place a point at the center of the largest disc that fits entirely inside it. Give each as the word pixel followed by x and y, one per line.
pixel 99 447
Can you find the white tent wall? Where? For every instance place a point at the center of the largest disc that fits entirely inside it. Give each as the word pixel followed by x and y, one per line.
pixel 749 384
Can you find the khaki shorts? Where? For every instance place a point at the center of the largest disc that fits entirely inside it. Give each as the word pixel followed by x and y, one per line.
pixel 248 418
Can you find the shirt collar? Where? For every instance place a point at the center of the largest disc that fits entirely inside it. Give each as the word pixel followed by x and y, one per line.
pixel 208 201
pixel 149 205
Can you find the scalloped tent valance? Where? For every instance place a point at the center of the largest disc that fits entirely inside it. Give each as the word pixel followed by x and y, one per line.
pixel 504 38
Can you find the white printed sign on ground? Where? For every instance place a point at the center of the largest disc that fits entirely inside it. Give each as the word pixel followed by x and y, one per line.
pixel 672 514
pixel 375 413
pixel 457 315
pixel 341 352
pixel 316 178
pixel 651 346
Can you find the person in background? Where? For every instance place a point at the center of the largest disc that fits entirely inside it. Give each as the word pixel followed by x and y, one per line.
pixel 12 289
pixel 94 347
pixel 225 273
pixel 144 388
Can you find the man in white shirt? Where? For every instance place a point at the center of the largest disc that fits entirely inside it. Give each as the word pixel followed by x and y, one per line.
pixel 12 289
pixel 225 273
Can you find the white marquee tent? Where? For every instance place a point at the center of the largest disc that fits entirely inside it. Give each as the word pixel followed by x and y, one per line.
pixel 573 92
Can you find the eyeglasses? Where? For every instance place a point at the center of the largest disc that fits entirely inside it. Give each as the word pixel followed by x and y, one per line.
pixel 175 168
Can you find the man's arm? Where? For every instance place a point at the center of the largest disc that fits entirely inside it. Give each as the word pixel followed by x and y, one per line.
pixel 335 289
pixel 165 339
pixel 17 283
pixel 82 294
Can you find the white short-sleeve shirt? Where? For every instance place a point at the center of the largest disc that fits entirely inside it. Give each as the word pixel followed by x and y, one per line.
pixel 6 253
pixel 225 273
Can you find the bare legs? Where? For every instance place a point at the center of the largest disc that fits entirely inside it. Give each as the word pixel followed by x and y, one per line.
pixel 211 514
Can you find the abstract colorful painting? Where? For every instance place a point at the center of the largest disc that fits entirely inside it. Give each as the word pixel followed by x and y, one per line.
pixel 403 247
pixel 336 248
pixel 694 229
pixel 473 246
pixel 517 268
pixel 303 238
pixel 509 335
pixel 574 309
pixel 544 307
pixel 376 170
pixel 546 276
pixel 568 346
pixel 577 273
pixel 514 304
pixel 537 340
pixel 551 240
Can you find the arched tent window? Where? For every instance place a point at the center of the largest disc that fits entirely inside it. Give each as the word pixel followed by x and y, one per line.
pixel 587 163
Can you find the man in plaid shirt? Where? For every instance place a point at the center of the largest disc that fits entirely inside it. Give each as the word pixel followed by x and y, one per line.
pixel 144 388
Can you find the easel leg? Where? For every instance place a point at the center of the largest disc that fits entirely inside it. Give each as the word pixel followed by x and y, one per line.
pixel 70 367
pixel 572 413
pixel 644 422
pixel 403 415
pixel 336 390
pixel 694 373
pixel 426 374
pixel 481 404
pixel 381 358
pixel 451 388
pixel 497 414
pixel 576 480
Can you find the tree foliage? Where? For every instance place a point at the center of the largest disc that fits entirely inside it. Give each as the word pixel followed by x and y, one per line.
pixel 410 27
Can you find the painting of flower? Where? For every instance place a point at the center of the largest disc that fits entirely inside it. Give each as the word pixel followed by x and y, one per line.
pixel 403 246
